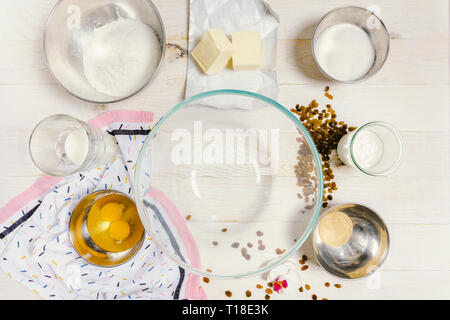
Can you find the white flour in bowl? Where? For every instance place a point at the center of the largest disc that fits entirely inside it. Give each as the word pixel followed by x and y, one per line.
pixel 121 57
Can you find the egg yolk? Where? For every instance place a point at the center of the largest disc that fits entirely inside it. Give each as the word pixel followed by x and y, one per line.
pixel 119 230
pixel 111 212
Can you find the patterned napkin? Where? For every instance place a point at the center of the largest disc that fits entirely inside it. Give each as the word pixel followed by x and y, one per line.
pixel 39 254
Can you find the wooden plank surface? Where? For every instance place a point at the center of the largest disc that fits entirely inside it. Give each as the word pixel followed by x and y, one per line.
pixel 411 91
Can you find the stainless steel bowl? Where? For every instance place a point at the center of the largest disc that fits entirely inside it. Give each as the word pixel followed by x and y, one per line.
pixel 85 246
pixel 364 19
pixel 365 251
pixel 69 28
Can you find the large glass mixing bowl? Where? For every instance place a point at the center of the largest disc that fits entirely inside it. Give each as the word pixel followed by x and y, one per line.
pixel 229 192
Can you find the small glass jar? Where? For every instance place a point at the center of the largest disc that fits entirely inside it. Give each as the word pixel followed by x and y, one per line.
pixel 375 148
pixel 61 145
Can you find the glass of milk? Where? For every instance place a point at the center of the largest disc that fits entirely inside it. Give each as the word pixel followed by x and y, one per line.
pixel 375 148
pixel 350 44
pixel 61 145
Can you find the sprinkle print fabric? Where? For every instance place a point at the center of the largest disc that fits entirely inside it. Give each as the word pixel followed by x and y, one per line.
pixel 39 254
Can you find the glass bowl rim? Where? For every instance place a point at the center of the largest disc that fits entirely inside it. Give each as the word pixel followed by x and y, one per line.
pixel 317 160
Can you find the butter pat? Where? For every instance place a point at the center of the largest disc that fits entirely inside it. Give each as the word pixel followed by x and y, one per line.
pixel 248 48
pixel 213 51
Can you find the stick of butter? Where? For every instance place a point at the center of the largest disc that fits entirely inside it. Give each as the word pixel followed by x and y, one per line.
pixel 213 51
pixel 248 48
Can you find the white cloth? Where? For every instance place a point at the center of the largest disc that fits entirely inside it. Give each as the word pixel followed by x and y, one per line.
pixel 38 250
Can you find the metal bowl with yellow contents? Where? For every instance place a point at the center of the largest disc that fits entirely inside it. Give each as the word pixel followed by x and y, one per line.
pixel 105 228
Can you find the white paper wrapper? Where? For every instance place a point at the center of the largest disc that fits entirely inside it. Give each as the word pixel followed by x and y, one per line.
pixel 231 16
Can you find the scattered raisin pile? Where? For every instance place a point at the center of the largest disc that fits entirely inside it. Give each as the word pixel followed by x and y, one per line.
pixel 326 132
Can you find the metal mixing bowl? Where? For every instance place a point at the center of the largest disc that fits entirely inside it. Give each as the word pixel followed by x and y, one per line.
pixel 82 242
pixel 69 28
pixel 364 19
pixel 365 251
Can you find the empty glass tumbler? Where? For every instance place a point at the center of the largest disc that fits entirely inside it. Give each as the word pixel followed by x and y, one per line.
pixel 61 145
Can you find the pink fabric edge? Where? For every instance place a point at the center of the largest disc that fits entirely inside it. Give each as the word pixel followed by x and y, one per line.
pixel 43 184
pixel 193 289
pixel 121 116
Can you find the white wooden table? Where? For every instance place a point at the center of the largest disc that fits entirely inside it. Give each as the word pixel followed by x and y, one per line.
pixel 411 91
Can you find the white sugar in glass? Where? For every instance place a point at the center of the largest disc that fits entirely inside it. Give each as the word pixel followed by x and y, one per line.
pixel 345 52
pixel 350 44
